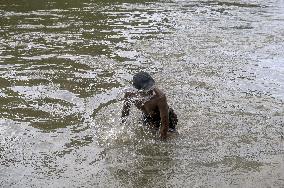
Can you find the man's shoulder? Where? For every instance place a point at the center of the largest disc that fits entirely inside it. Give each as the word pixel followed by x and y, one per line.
pixel 160 94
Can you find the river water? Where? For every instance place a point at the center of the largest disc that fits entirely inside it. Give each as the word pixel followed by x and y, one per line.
pixel 64 64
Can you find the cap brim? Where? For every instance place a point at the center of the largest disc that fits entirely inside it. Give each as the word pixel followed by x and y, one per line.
pixel 148 85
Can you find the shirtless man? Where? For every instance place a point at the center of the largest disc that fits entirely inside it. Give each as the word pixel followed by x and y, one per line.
pixel 153 104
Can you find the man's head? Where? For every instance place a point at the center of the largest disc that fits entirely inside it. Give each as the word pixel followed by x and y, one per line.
pixel 143 81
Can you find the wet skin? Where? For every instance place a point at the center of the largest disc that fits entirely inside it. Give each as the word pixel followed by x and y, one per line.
pixel 154 105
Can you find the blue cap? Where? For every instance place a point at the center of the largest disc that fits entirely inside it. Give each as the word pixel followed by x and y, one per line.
pixel 143 81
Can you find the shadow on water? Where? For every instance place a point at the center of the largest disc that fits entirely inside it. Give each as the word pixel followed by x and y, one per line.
pixel 76 28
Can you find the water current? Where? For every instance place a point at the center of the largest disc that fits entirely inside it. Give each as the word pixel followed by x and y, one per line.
pixel 64 64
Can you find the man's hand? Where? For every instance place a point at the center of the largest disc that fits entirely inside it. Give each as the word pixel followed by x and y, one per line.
pixel 123 119
pixel 163 132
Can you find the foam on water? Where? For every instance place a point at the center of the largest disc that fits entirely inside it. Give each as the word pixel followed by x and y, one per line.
pixel 65 65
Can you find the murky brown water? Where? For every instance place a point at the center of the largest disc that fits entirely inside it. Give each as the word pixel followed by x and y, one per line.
pixel 64 63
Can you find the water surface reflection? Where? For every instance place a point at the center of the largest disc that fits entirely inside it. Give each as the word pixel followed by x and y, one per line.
pixel 63 65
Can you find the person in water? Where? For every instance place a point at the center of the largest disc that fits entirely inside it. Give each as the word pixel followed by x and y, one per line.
pixel 153 104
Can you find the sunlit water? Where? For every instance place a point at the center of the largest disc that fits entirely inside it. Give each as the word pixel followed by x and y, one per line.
pixel 63 65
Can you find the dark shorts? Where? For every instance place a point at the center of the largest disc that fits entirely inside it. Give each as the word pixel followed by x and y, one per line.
pixel 156 121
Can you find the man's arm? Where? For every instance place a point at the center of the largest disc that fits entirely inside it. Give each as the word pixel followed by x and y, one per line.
pixel 164 114
pixel 126 107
